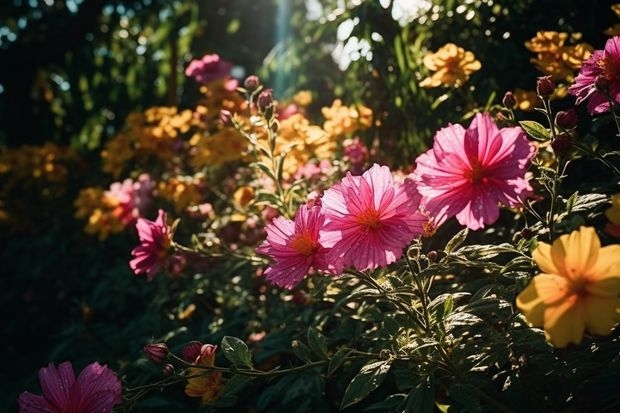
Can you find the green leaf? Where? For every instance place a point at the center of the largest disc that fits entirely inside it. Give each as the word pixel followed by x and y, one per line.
pixel 235 384
pixel 535 130
pixel 456 240
pixel 368 379
pixel 421 399
pixel 236 351
pixel 317 343
pixel 337 360
pixel 301 351
pixel 570 203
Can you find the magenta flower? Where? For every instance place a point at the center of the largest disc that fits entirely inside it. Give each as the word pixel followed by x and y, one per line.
pixel 469 173
pixel 151 255
pixel 606 65
pixel 211 67
pixel 96 390
pixel 296 248
pixel 370 218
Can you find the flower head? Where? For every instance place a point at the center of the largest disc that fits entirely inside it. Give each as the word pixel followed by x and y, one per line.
pixel 152 253
pixel 295 247
pixel 201 382
pixel 469 173
pixel 370 218
pixel 606 64
pixel 208 69
pixel 451 65
pixel 578 288
pixel 96 390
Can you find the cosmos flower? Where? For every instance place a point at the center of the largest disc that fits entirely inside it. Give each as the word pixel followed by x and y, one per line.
pixel 578 288
pixel 469 173
pixel 152 254
pixel 202 383
pixel 295 247
pixel 452 66
pixel 208 69
pixel 96 390
pixel 606 65
pixel 370 219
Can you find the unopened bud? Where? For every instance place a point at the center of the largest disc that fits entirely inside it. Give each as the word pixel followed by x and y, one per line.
pixel 251 83
pixel 168 369
pixel 545 86
pixel 567 119
pixel 156 352
pixel 225 117
pixel 509 100
pixel 562 143
pixel 191 351
pixel 265 100
pixel 601 83
pixel 432 256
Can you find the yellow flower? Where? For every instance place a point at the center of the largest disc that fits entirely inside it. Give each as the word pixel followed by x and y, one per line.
pixel 341 120
pixel 303 98
pixel 452 66
pixel 226 145
pixel 202 383
pixel 527 100
pixel 574 56
pixel 577 290
pixel 546 41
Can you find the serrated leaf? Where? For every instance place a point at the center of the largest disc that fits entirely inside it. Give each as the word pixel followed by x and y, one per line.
pixel 368 379
pixel 236 351
pixel 589 201
pixel 445 309
pixel 301 351
pixel 535 130
pixel 337 359
pixel 570 202
pixel 317 343
pixel 456 240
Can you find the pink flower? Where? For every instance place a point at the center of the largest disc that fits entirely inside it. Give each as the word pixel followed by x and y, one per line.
pixel 208 69
pixel 468 173
pixel 370 218
pixel 295 247
pixel 604 63
pixel 151 255
pixel 96 390
pixel 129 199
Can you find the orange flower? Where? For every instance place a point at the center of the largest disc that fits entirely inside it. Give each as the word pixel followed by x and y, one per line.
pixel 452 66
pixel 613 215
pixel 527 100
pixel 202 383
pixel 546 41
pixel 577 290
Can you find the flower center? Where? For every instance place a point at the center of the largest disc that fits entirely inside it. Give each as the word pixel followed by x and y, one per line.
pixel 610 67
pixel 477 173
pixel 303 244
pixel 369 219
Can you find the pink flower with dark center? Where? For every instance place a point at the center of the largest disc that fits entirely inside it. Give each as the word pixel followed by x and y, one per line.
pixel 96 390
pixel 151 255
pixel 295 247
pixel 208 69
pixel 602 64
pixel 370 218
pixel 469 173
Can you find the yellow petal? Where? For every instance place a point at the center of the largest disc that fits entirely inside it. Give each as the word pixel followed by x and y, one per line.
pixel 607 265
pixel 607 287
pixel 576 252
pixel 543 290
pixel 544 259
pixel 565 322
pixel 601 314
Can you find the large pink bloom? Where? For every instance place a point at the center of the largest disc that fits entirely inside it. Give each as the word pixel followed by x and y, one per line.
pixel 152 254
pixel 295 247
pixel 96 390
pixel 605 63
pixel 469 173
pixel 370 218
pixel 208 69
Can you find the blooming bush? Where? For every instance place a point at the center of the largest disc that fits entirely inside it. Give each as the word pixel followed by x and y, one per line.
pixel 294 265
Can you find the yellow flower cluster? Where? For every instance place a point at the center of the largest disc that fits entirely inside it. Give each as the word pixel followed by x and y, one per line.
pixel 554 58
pixel 148 135
pixel 183 191
pixel 451 66
pixel 578 289
pixel 225 145
pixel 47 163
pixel 615 29
pixel 218 95
pixel 99 210
pixel 341 121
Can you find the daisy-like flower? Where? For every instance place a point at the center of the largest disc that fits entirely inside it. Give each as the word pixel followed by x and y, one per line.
pixel 469 173
pixel 606 64
pixel 452 66
pixel 202 383
pixel 96 390
pixel 295 247
pixel 578 288
pixel 370 218
pixel 152 254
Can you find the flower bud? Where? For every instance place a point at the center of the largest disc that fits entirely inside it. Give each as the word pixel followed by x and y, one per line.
pixel 156 352
pixel 265 100
pixel 225 117
pixel 601 83
pixel 168 370
pixel 509 100
pixel 545 86
pixel 251 83
pixel 191 351
pixel 567 119
pixel 432 256
pixel 562 143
